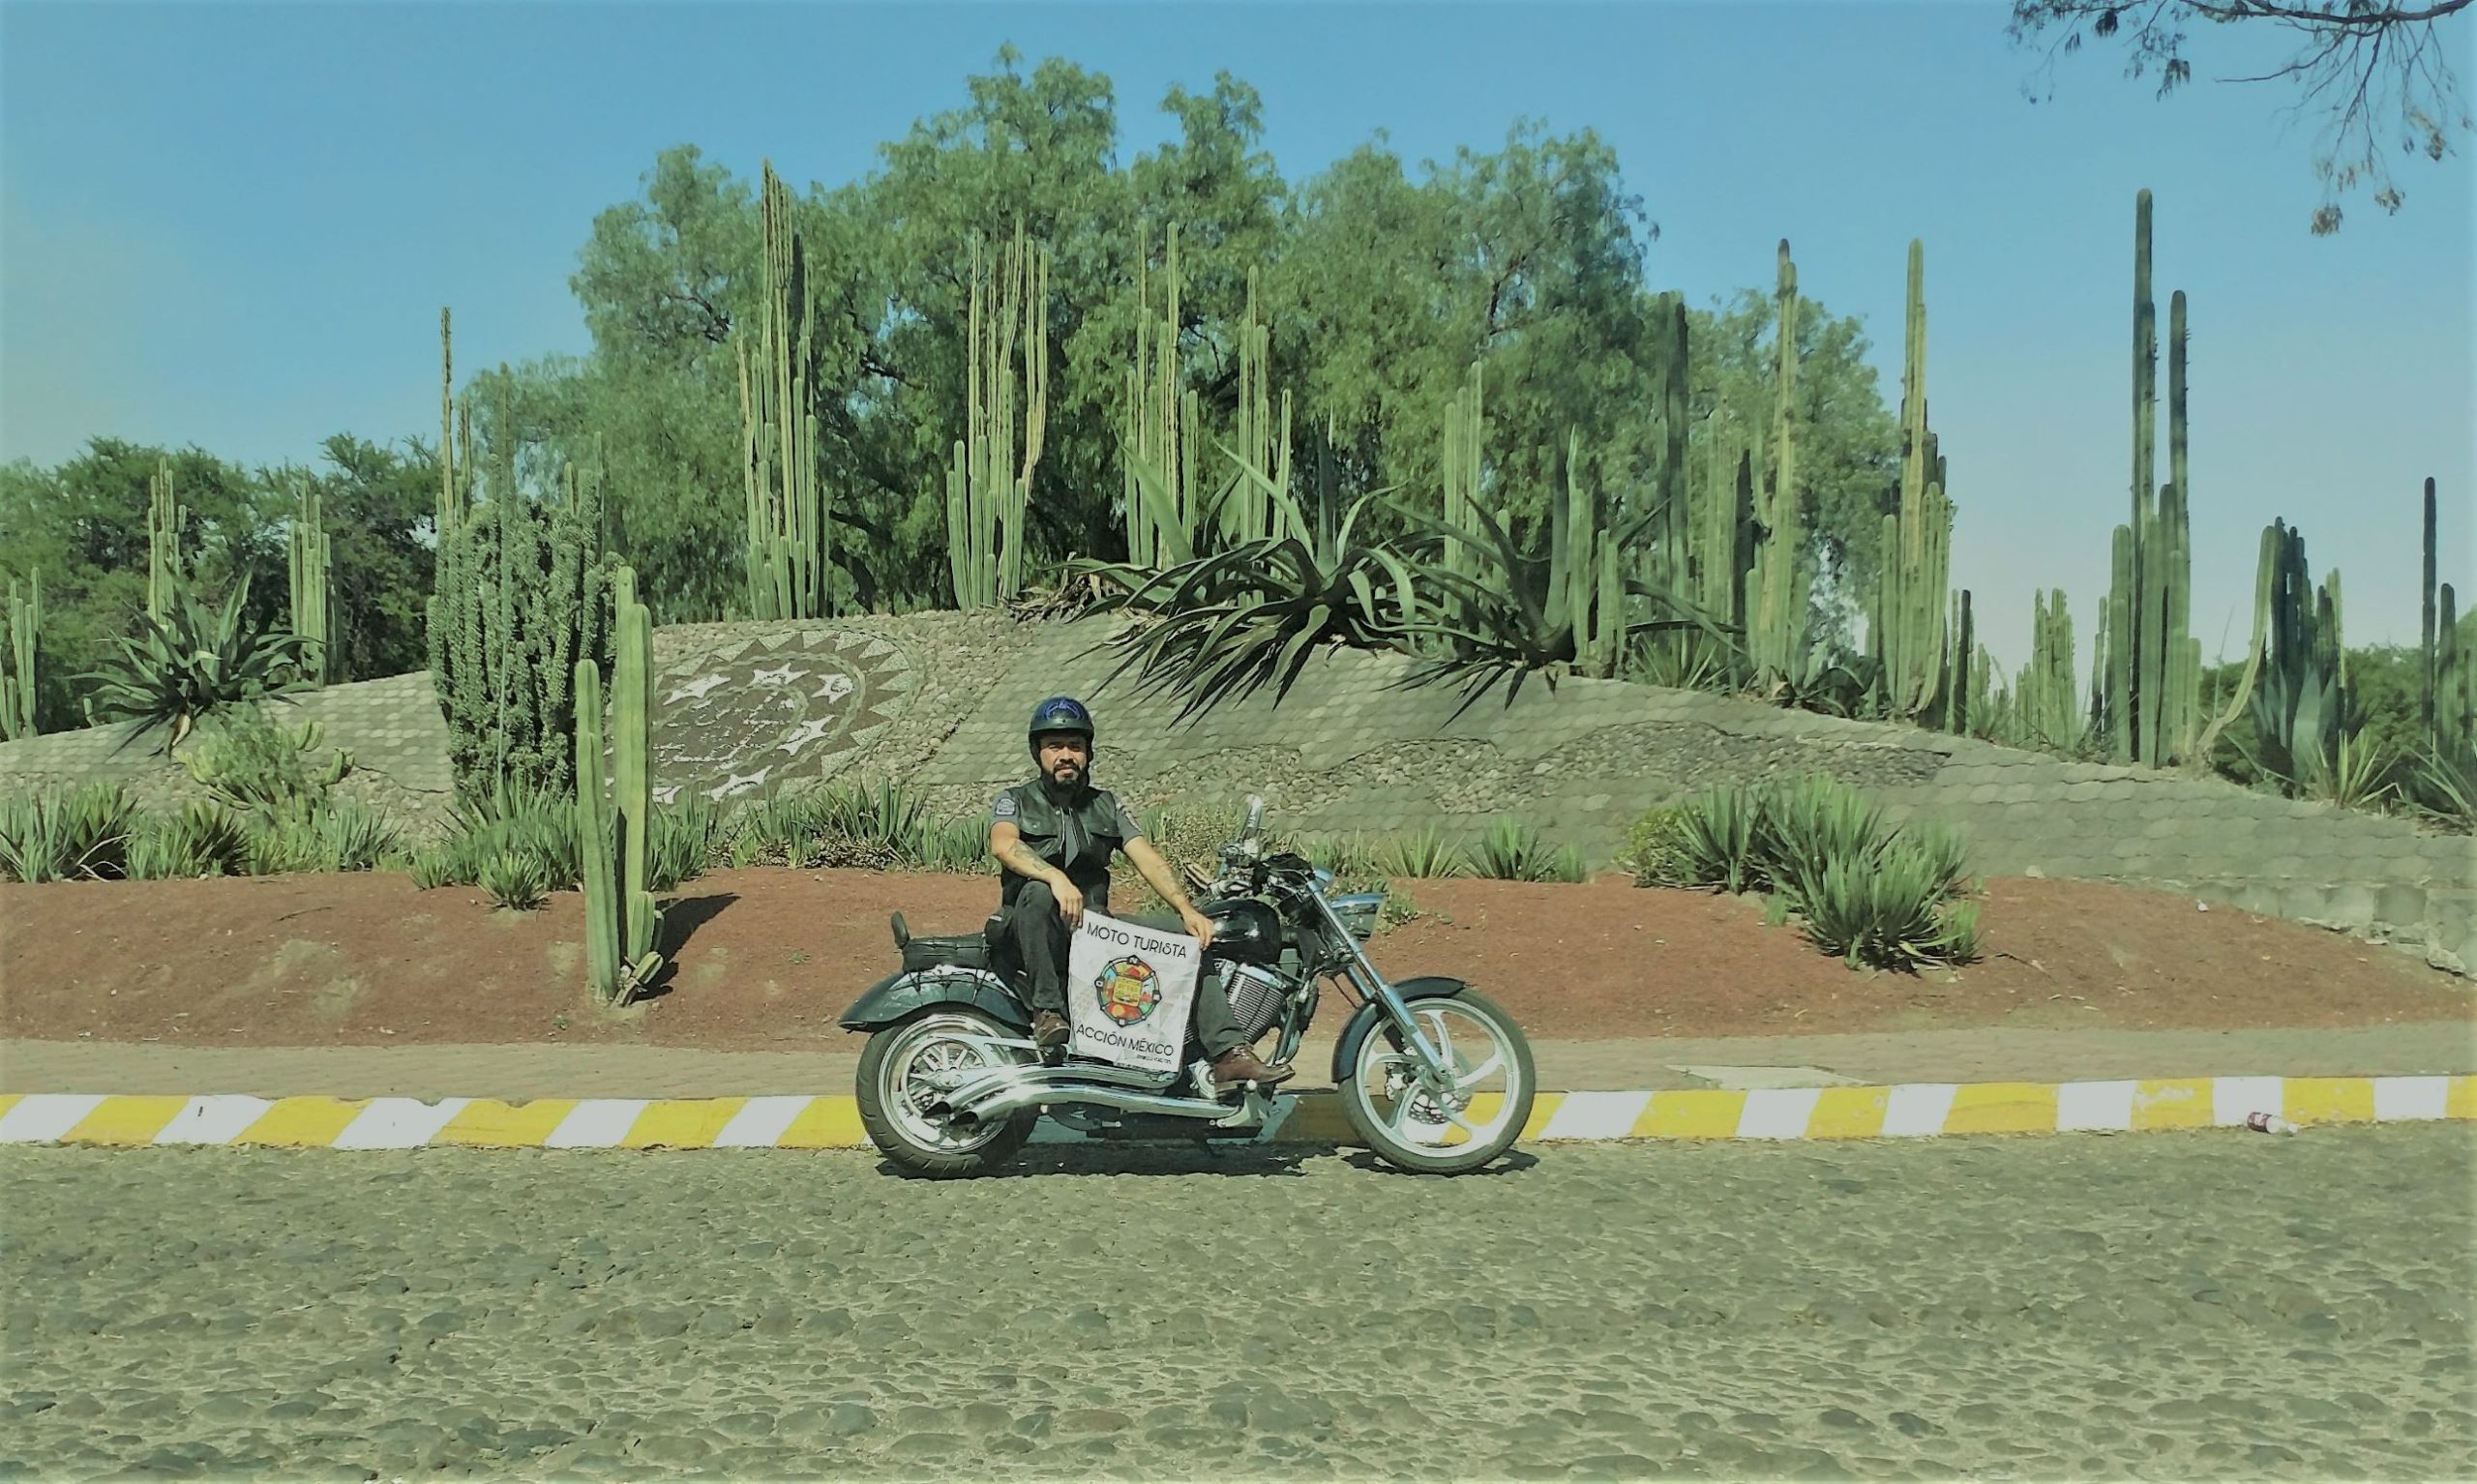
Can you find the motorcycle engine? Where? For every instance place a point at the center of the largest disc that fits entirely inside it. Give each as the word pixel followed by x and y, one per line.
pixel 1255 996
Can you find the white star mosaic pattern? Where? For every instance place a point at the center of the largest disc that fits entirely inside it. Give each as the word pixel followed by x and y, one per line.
pixel 753 715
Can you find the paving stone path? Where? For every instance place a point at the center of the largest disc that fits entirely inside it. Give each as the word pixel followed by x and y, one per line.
pixel 2212 1304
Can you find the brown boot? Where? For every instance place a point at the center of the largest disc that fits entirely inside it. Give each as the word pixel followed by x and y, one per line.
pixel 1240 1065
pixel 1049 1029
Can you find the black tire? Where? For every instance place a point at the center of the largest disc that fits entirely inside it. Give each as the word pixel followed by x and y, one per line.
pixel 891 1133
pixel 1461 1159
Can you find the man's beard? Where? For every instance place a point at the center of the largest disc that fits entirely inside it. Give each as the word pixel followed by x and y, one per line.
pixel 1066 772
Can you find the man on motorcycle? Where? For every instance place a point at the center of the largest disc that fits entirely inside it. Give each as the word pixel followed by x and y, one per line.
pixel 1053 837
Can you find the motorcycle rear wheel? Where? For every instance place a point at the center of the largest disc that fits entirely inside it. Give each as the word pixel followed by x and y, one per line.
pixel 891 1088
pixel 1405 1124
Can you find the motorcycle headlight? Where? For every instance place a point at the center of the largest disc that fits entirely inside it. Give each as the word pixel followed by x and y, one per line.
pixel 1358 912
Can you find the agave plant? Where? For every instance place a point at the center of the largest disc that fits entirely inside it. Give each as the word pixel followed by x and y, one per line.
pixel 1511 850
pixel 1235 619
pixel 1890 910
pixel 62 834
pixel 1835 681
pixel 683 838
pixel 1425 853
pixel 1711 841
pixel 200 838
pixel 1513 619
pixel 192 663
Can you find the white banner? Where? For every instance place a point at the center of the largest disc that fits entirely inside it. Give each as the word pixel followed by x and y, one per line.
pixel 1129 993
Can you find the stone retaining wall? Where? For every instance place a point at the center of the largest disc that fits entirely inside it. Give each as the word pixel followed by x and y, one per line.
pixel 1346 751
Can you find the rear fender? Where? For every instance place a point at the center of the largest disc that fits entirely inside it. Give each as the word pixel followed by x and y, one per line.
pixel 900 995
pixel 1365 1018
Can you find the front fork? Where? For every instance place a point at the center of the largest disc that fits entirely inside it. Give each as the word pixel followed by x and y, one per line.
pixel 1371 984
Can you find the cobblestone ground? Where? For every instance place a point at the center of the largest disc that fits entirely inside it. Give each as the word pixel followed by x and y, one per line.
pixel 2212 1304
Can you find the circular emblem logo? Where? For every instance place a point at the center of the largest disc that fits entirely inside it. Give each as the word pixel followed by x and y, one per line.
pixel 1126 990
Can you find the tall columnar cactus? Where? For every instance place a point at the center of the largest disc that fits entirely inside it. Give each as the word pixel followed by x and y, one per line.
pixel 2455 731
pixel 1250 513
pixel 1586 575
pixel 989 485
pixel 2301 706
pixel 1780 626
pixel 1957 673
pixel 454 476
pixel 614 812
pixel 1725 523
pixel 1668 561
pixel 1908 635
pixel 2151 667
pixel 2047 700
pixel 307 548
pixel 20 630
pixel 522 593
pixel 2266 576
pixel 1465 440
pixel 166 521
pixel 789 511
pixel 1158 438
pixel 2446 675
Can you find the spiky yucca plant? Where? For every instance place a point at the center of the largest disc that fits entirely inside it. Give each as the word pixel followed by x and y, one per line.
pixel 1424 853
pixel 66 833
pixel 1236 618
pixel 1511 850
pixel 192 663
pixel 1891 910
pixel 200 839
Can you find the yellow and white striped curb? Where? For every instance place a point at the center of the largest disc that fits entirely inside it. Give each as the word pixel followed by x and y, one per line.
pixel 1911 1110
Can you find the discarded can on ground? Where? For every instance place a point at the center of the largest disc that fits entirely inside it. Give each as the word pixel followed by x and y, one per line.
pixel 2268 1123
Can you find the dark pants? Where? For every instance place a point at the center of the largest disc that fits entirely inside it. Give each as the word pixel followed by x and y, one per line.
pixel 1039 939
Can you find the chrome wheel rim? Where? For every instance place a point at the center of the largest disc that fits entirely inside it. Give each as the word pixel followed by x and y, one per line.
pixel 1471 1106
pixel 928 1059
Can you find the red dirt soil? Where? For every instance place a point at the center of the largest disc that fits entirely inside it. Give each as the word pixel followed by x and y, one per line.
pixel 766 958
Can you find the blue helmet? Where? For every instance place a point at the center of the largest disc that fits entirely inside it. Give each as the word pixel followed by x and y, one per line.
pixel 1059 713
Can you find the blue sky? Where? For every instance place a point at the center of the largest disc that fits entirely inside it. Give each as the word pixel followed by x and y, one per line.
pixel 234 224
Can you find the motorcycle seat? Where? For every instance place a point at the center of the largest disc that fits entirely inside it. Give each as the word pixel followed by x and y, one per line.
pixel 959 951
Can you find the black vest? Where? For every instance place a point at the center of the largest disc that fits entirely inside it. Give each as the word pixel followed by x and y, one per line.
pixel 1076 837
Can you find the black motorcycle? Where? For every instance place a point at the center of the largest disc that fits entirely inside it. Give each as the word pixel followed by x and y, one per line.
pixel 1433 1076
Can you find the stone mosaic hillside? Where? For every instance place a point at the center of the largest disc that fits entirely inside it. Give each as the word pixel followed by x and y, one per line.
pixel 940 700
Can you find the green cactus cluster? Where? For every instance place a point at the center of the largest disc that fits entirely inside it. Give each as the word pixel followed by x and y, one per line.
pixel 167 519
pixel 1465 438
pixel 1161 438
pixel 1778 630
pixel 615 806
pixel 789 514
pixel 990 484
pixel 2150 708
pixel 2047 699
pixel 455 439
pixel 309 546
pixel 1908 636
pixel 1250 513
pixel 21 632
pixel 2302 707
pixel 2446 673
pixel 522 593
pixel 1586 574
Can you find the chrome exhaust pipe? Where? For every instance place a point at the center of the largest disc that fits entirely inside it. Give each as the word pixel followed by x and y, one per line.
pixel 985 1083
pixel 1016 1099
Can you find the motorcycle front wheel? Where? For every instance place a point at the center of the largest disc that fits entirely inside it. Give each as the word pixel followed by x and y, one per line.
pixel 1455 1129
pixel 901 1070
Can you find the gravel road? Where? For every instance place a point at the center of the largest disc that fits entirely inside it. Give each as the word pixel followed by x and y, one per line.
pixel 2206 1304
